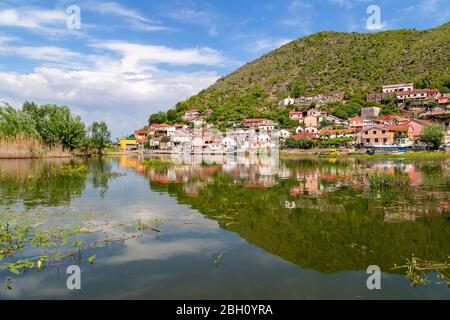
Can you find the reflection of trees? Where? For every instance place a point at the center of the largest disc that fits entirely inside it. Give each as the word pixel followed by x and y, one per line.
pixel 39 182
pixel 102 174
pixel 326 232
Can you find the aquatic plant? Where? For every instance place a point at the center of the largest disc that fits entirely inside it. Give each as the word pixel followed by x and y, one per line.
pixel 73 170
pixel 385 180
pixel 157 163
pixel 417 271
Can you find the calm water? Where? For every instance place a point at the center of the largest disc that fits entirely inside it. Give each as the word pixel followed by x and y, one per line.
pixel 226 228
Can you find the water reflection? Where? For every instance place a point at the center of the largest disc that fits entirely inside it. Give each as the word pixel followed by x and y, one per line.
pixel 313 212
pixel 294 228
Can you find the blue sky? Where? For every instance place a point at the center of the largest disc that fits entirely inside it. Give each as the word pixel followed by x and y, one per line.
pixel 133 58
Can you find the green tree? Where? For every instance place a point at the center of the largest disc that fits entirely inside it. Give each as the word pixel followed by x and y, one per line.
pixel 100 136
pixel 433 134
pixel 297 89
pixel 56 125
pixel 14 122
pixel 158 118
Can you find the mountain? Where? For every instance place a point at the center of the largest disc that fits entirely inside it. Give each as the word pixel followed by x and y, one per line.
pixel 324 62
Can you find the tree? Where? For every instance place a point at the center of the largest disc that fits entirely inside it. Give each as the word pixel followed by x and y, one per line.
pixel 433 134
pixel 56 125
pixel 14 122
pixel 158 118
pixel 100 136
pixel 297 89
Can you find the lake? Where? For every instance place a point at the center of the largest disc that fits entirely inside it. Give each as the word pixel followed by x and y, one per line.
pixel 223 227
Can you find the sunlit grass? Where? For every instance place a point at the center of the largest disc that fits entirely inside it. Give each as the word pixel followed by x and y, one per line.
pixel 21 147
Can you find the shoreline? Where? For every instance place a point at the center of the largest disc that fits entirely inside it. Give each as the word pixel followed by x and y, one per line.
pixel 328 154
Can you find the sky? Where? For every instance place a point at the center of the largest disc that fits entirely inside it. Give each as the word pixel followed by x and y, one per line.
pixel 119 61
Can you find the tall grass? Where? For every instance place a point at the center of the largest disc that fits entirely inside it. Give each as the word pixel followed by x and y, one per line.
pixel 21 146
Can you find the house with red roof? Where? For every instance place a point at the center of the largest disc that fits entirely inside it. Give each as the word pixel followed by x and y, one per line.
pixel 191 115
pixel 421 94
pixel 305 135
pixel 338 133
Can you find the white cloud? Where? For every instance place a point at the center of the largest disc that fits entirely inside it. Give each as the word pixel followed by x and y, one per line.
pixel 135 19
pixel 34 19
pixel 138 56
pixel 438 9
pixel 115 8
pixel 266 44
pixel 347 3
pixel 122 89
pixel 205 16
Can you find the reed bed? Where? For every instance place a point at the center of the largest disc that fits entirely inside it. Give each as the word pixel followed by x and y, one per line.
pixel 23 147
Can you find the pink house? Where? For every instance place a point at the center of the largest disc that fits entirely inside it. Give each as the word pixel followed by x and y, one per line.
pixel 415 128
pixel 296 115
pixel 311 121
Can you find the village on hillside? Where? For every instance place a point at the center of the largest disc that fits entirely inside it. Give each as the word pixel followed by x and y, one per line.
pixel 419 108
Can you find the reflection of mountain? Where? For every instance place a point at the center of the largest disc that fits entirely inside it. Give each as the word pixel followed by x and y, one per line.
pixel 324 231
pixel 38 183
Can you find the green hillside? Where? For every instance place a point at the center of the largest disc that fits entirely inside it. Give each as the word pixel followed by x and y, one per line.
pixel 327 61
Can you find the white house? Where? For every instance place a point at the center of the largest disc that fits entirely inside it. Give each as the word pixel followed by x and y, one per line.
pixel 335 120
pixel 284 134
pixel 391 88
pixel 312 130
pixel 286 102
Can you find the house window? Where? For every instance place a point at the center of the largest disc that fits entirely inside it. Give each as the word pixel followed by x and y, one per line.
pixel 367 132
pixel 368 140
pixel 384 131
pixel 385 140
pixel 376 139
pixel 374 132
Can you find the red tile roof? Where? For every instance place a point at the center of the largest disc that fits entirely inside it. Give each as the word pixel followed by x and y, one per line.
pixel 305 135
pixel 254 120
pixel 427 91
pixel 398 128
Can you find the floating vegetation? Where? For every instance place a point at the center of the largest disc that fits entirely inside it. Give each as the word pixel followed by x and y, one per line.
pixel 157 163
pixel 91 259
pixel 388 181
pixel 141 226
pixel 417 271
pixel 8 284
pixel 219 258
pixel 73 170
